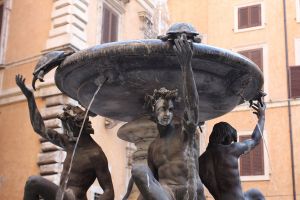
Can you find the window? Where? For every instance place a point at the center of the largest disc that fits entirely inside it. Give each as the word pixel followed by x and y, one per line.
pixel 1 16
pixel 256 55
pixel 252 164
pixel 249 17
pixel 295 81
pixel 255 164
pixel 110 22
pixel 5 8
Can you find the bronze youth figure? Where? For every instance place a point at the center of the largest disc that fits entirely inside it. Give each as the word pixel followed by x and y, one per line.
pixel 218 167
pixel 89 162
pixel 172 171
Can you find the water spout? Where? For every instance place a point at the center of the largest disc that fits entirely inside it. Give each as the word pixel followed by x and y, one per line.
pixel 61 197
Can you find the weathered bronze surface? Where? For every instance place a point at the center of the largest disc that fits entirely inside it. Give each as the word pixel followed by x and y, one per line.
pixel 219 165
pixel 189 81
pixel 223 78
pixel 47 63
pixel 172 170
pixel 89 163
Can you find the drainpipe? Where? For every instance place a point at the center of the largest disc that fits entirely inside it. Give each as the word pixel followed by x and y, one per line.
pixel 289 97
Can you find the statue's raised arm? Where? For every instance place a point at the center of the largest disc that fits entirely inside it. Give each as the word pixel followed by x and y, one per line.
pixel 184 54
pixel 247 145
pixel 36 118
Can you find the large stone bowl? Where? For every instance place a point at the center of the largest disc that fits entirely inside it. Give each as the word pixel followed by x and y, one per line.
pixel 224 79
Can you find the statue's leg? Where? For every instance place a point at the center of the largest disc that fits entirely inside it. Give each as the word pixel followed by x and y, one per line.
pixel 254 194
pixel 149 187
pixel 129 189
pixel 38 186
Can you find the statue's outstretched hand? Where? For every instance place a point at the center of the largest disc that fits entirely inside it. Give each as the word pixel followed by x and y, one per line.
pixel 258 97
pixel 183 51
pixel 20 80
pixel 259 109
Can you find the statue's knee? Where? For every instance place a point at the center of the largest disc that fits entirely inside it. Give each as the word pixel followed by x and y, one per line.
pixel 32 181
pixel 138 171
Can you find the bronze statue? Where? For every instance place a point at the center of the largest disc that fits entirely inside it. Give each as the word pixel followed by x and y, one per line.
pixel 89 162
pixel 47 62
pixel 218 166
pixel 172 171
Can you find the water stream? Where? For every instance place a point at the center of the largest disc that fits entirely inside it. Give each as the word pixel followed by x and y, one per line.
pixel 61 197
pixel 264 141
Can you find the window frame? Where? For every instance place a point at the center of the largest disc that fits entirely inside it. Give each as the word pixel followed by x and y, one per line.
pixel 111 13
pixel 266 175
pixel 117 8
pixel 291 82
pixel 236 16
pixel 297 50
pixel 7 6
pixel 297 11
pixel 265 62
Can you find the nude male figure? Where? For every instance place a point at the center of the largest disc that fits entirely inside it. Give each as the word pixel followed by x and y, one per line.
pixel 89 162
pixel 172 171
pixel 219 170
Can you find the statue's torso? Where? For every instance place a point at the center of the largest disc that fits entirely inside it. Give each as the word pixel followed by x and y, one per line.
pixel 176 162
pixel 219 171
pixel 83 173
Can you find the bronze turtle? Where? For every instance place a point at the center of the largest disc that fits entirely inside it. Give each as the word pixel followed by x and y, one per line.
pixel 47 63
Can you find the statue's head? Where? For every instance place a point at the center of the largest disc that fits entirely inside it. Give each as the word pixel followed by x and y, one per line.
pixel 222 133
pixel 72 119
pixel 161 105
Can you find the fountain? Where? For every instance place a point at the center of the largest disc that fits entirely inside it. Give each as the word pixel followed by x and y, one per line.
pixel 131 69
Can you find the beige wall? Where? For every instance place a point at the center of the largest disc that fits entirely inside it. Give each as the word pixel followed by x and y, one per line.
pixel 29 26
pixel 114 149
pixel 219 28
pixel 296 142
pixel 192 11
pixel 19 147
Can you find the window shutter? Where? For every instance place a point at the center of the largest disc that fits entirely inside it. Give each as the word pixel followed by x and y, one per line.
pixel 295 81
pixel 109 25
pixel 1 16
pixel 255 15
pixel 249 16
pixel 243 17
pixel 252 164
pixel 256 55
pixel 114 27
pixel 245 53
pixel 105 25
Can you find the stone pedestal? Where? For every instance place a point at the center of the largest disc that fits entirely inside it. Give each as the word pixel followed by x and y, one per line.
pixel 141 132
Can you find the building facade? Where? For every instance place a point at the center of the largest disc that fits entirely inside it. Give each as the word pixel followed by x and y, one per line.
pixel 32 28
pixel 266 31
